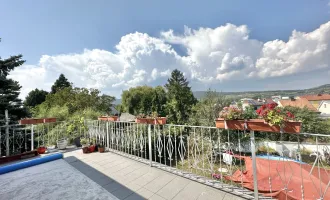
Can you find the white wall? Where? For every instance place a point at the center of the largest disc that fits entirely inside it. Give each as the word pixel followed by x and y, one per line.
pixel 324 108
pixel 287 148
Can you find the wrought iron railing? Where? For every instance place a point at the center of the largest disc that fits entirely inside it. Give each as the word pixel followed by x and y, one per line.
pixel 250 164
pixel 16 139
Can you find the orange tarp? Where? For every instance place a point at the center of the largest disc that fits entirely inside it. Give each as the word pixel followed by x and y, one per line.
pixel 285 179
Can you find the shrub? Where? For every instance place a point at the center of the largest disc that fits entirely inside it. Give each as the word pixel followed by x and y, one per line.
pixel 83 141
pixel 266 150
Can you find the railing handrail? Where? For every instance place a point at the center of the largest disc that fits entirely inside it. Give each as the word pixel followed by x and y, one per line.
pixel 209 127
pixel 175 125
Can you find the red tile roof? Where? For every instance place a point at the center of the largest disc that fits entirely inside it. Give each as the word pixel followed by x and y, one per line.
pixel 301 103
pixel 316 97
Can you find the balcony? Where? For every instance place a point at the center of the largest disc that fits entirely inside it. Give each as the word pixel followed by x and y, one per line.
pixel 188 162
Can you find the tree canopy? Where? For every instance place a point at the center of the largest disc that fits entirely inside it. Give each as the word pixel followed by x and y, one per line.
pixel 69 101
pixel 35 97
pixel 144 100
pixel 311 122
pixel 60 83
pixel 10 89
pixel 180 98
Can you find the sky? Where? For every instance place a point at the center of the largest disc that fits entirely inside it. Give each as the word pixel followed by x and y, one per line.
pixel 224 45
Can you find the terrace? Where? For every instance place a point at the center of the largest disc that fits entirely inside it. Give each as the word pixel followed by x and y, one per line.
pixel 146 161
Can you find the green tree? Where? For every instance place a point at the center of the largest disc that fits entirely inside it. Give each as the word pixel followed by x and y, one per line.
pixel 144 100
pixel 106 103
pixel 35 97
pixel 159 100
pixel 60 83
pixel 10 90
pixel 70 102
pixel 311 122
pixel 180 98
pixel 208 109
pixel 119 108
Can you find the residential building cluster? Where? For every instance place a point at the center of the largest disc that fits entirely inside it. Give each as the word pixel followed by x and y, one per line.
pixel 319 103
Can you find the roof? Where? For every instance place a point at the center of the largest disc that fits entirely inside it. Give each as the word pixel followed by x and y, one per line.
pixel 258 103
pixel 246 99
pixel 253 102
pixel 301 103
pixel 316 97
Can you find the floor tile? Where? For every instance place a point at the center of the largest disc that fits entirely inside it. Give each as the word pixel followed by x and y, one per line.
pixel 156 197
pixel 122 192
pixel 173 188
pixel 145 193
pixel 134 196
pixel 159 183
pixel 129 179
pixel 192 191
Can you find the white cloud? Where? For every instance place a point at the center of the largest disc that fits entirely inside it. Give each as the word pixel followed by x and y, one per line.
pixel 222 54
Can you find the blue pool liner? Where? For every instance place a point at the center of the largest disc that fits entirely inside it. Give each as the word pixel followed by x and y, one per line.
pixel 30 163
pixel 279 158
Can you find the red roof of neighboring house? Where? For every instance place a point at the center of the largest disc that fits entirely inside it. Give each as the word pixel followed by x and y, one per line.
pixel 316 97
pixel 301 103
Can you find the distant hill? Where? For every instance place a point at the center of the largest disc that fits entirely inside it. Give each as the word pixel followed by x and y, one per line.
pixel 323 89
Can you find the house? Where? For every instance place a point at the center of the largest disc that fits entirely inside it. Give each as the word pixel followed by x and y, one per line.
pixel 315 100
pixel 300 103
pixel 276 98
pixel 246 102
pixel 324 108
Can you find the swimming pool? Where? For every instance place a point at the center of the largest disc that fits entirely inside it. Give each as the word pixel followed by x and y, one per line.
pixel 279 158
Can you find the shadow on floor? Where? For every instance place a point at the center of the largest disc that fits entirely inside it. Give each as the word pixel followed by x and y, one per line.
pixel 118 190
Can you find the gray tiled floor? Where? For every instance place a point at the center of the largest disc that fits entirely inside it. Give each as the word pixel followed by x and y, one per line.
pixel 131 180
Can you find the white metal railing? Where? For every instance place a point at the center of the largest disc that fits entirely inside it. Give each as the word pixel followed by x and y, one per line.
pixel 16 139
pixel 293 166
pixel 220 158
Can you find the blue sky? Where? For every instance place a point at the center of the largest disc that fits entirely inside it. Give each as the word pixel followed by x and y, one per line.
pixel 79 38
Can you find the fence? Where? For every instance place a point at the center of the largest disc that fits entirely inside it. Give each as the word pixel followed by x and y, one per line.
pixel 250 164
pixel 16 139
pixel 222 158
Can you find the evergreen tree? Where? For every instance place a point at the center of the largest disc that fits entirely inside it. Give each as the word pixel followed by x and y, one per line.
pixel 60 83
pixel 180 98
pixel 10 90
pixel 35 97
